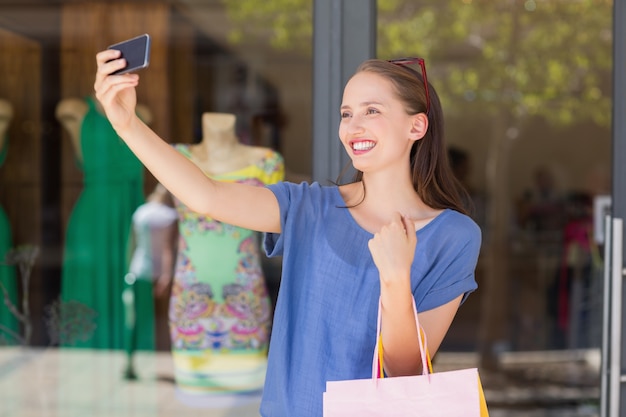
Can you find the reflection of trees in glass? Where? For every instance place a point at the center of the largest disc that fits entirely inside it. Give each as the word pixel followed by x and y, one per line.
pixel 24 258
pixel 285 24
pixel 550 58
pixel 67 322
pixel 70 322
pixel 500 61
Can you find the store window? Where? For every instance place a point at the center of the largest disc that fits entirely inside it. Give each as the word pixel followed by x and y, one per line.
pixel 70 193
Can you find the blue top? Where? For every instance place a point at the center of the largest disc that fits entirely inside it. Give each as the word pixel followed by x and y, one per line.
pixel 325 319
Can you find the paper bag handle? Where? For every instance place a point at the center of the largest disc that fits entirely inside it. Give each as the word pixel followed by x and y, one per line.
pixel 377 362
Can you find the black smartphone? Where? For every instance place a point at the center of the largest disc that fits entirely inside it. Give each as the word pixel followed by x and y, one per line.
pixel 135 51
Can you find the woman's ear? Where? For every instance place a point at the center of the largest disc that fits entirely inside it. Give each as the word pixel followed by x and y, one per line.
pixel 419 126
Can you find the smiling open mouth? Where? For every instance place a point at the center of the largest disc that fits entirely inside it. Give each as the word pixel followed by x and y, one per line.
pixel 365 145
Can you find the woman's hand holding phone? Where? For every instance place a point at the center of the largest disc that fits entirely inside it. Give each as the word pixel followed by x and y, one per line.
pixel 116 93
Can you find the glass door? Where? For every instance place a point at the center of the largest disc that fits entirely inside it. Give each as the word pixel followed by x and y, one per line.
pixel 525 91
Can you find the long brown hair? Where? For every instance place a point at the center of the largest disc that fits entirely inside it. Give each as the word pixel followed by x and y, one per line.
pixel 432 176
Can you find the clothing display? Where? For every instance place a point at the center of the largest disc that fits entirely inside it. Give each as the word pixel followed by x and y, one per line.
pixel 8 322
pixel 148 222
pixel 328 301
pixel 96 245
pixel 220 311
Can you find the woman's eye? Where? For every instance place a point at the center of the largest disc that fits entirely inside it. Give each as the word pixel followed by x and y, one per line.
pixel 345 114
pixel 371 111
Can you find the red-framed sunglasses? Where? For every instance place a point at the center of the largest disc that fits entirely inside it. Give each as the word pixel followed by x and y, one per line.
pixel 422 64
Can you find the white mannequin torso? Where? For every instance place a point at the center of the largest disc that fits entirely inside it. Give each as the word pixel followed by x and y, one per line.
pixel 220 151
pixel 6 114
pixel 70 113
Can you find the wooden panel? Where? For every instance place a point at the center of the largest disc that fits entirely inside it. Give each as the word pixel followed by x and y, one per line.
pixel 183 80
pixel 20 192
pixel 87 28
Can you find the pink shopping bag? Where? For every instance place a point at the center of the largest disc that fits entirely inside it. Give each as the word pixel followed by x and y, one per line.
pixel 441 394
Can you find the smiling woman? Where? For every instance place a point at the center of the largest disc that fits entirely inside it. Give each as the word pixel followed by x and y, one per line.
pixel 411 192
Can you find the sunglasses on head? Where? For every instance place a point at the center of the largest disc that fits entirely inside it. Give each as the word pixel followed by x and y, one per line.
pixel 422 64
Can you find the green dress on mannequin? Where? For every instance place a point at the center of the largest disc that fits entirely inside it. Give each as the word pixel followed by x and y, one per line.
pixel 8 322
pixel 97 237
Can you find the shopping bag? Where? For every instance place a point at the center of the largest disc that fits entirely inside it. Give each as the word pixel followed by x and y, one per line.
pixel 456 393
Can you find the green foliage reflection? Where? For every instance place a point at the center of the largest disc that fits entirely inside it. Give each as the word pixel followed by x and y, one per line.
pixel 547 58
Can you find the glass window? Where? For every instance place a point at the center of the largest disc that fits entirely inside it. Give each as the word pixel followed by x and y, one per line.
pixel 77 208
pixel 526 91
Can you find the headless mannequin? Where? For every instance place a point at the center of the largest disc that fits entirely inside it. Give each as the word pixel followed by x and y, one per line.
pixel 70 113
pixel 155 231
pixel 86 246
pixel 236 317
pixel 6 113
pixel 163 238
pixel 220 151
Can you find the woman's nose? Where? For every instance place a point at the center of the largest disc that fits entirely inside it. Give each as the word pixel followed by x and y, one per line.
pixel 355 124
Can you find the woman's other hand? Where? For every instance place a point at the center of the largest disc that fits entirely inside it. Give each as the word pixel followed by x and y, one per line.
pixel 393 250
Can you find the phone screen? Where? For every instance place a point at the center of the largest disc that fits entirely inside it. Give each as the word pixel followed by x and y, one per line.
pixel 135 51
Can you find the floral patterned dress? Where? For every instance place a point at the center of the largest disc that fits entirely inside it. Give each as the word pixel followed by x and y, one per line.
pixel 220 311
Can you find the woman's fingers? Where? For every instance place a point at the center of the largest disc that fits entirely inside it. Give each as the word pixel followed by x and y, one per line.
pixel 399 226
pixel 109 61
pixel 116 93
pixel 393 247
pixel 105 59
pixel 108 89
pixel 409 227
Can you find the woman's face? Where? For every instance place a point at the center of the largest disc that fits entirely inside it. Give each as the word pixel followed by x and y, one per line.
pixel 375 129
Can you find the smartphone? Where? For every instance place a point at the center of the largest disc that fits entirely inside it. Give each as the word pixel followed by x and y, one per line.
pixel 135 51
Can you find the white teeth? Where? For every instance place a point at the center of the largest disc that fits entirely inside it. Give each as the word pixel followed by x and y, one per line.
pixel 363 146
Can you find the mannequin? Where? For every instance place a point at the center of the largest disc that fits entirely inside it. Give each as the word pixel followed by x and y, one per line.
pixel 220 150
pixel 220 310
pixel 151 270
pixel 95 257
pixel 9 326
pixel 71 111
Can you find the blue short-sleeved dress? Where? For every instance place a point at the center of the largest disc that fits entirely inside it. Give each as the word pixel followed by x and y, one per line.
pixel 325 318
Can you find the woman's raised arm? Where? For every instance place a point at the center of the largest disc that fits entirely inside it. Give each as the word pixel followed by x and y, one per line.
pixel 251 207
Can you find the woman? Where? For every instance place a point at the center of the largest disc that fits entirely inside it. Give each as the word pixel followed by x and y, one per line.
pixel 344 247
